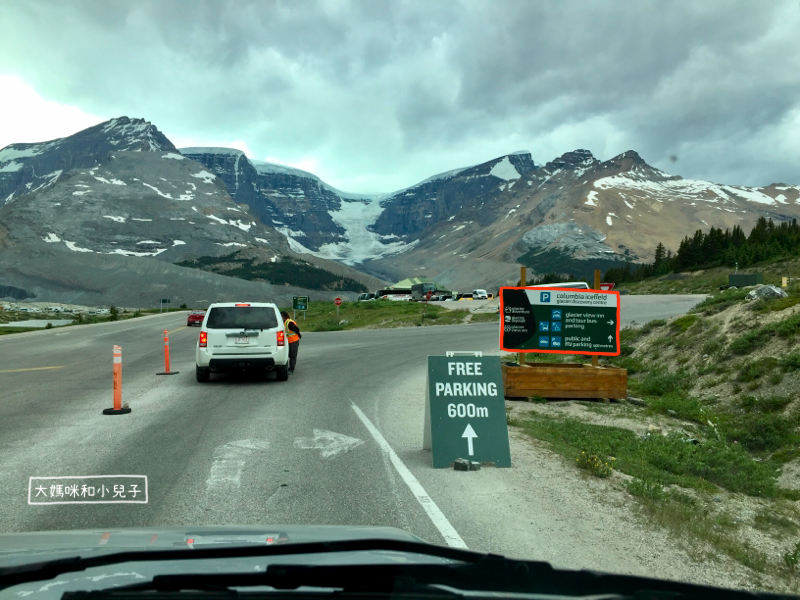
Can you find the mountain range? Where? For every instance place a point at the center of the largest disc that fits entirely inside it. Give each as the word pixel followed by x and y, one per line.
pixel 119 196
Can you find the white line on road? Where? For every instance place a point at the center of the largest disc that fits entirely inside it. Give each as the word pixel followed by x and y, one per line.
pixel 436 516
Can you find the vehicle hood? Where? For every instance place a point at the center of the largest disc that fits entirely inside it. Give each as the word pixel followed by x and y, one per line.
pixel 23 548
pixel 101 541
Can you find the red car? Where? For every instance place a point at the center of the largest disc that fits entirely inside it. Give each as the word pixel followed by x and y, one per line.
pixel 195 317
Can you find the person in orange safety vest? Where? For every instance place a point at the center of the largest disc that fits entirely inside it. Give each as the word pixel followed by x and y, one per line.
pixel 293 337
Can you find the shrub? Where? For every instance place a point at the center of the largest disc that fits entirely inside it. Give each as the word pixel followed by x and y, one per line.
pixel 660 381
pixel 757 369
pixel 750 340
pixel 713 346
pixel 646 489
pixel 48 326
pixel 683 323
pixel 594 464
pixel 791 362
pixel 759 432
pixel 651 325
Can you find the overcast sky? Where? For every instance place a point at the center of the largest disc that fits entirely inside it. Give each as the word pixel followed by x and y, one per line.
pixel 376 95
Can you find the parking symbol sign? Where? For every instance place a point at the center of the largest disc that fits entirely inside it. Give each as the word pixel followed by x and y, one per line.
pixel 545 297
pixel 544 326
pixel 555 326
pixel 544 341
pixel 556 314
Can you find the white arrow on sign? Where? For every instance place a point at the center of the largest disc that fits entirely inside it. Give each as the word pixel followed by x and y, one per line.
pixel 610 322
pixel 469 433
pixel 611 338
pixel 329 442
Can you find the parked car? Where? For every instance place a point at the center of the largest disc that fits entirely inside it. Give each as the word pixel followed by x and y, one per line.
pixel 195 318
pixel 242 336
pixel 479 295
pixel 465 297
pixel 365 296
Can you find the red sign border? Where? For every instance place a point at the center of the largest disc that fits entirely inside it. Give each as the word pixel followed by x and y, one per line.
pixel 537 351
pixel 337 301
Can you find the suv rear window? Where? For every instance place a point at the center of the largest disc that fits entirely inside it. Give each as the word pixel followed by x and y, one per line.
pixel 244 317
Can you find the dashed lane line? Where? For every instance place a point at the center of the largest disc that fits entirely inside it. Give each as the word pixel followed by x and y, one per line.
pixel 31 369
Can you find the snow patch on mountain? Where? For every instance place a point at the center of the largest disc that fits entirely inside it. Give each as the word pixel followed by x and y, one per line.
pixel 205 176
pixel 75 248
pixel 684 189
pixel 505 170
pixel 590 198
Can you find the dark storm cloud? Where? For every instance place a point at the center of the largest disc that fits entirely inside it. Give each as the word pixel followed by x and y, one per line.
pixel 380 94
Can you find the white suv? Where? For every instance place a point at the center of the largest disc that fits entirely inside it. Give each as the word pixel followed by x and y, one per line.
pixel 237 336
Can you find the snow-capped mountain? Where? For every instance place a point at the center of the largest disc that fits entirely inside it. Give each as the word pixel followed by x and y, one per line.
pixel 473 225
pixel 26 168
pixel 315 217
pixel 120 190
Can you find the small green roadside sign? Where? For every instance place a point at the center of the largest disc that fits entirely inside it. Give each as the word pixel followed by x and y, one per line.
pixel 559 320
pixel 465 415
pixel 299 302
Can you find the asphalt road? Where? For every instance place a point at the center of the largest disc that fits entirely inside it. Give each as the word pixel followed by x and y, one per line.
pixel 244 451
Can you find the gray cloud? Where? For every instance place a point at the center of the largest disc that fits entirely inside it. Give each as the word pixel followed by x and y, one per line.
pixel 382 94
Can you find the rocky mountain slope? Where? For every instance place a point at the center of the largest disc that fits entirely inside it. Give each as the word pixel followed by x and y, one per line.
pixel 119 188
pixel 474 226
pixel 577 213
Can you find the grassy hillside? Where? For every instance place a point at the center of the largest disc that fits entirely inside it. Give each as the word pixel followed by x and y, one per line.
pixel 286 271
pixel 709 281
pixel 711 447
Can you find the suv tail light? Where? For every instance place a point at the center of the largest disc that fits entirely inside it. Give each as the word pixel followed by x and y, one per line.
pixel 203 339
pixel 281 338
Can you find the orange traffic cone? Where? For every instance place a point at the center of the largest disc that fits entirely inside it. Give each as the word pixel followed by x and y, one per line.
pixel 166 370
pixel 118 408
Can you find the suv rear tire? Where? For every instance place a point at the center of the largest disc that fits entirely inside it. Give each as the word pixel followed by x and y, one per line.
pixel 203 375
pixel 282 373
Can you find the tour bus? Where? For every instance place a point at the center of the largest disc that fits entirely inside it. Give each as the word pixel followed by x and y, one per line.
pixel 578 285
pixel 393 294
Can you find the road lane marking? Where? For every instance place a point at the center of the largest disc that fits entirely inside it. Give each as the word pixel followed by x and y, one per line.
pixel 229 461
pixel 178 329
pixel 31 369
pixel 436 516
pixel 329 442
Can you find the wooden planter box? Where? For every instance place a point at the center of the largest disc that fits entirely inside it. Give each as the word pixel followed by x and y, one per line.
pixel 553 380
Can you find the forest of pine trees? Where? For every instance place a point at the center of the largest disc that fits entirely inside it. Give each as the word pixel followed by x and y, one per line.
pixel 717 248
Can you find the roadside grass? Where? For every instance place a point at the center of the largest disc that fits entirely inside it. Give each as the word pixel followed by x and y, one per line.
pixel 380 314
pixel 709 281
pixel 661 466
pixel 77 319
pixel 10 330
pixel 661 459
pixel 729 430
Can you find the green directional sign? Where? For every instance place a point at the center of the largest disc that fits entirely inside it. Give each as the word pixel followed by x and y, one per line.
pixel 165 301
pixel 299 302
pixel 560 320
pixel 465 414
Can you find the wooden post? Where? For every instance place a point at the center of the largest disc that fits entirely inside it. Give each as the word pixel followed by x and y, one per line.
pixel 595 359
pixel 522 282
